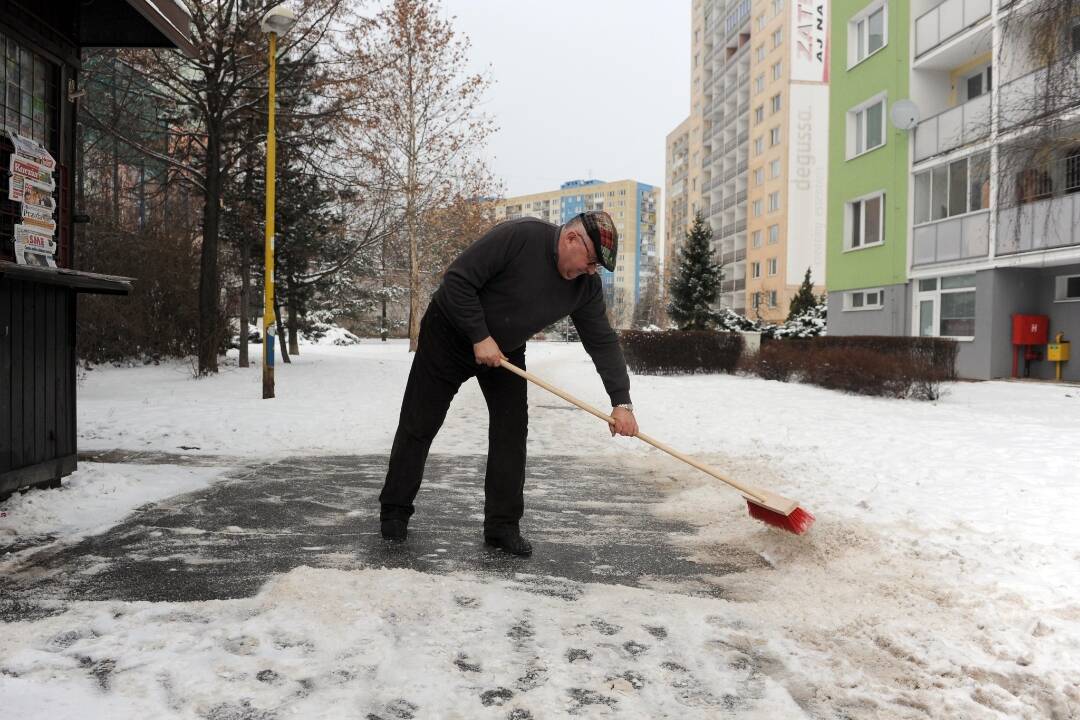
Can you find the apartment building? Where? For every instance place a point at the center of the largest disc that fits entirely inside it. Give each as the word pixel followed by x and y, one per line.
pixel 754 147
pixel 633 207
pixel 990 219
pixel 867 257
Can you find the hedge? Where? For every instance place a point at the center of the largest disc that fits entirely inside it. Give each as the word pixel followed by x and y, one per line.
pixel 681 352
pixel 868 365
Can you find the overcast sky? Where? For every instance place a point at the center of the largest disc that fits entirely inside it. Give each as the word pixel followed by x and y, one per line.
pixel 582 88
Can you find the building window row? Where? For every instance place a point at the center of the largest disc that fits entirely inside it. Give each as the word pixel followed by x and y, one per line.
pixel 864 222
pixel 864 300
pixel 866 127
pixel 867 32
pixel 945 307
pixel 955 188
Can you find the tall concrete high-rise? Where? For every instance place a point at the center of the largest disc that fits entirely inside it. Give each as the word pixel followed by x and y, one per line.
pixel 754 147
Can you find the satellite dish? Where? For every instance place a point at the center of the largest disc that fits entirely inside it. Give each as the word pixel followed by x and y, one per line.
pixel 904 114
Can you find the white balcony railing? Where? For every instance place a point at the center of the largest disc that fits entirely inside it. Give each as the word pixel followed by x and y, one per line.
pixel 946 20
pixel 953 128
pixel 1041 225
pixel 1044 92
pixel 959 238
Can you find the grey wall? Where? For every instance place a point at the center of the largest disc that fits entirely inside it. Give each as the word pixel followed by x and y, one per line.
pixel 1002 292
pixel 893 319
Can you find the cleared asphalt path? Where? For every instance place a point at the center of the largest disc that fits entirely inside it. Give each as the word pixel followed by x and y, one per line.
pixel 588 522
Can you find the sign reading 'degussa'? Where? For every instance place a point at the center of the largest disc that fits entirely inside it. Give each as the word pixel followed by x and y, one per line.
pixel 32 184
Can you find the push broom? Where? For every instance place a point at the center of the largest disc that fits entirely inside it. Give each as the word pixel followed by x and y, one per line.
pixel 763 505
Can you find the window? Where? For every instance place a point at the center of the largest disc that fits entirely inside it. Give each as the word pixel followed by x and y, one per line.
pixel 774 136
pixel 774 103
pixel 774 234
pixel 772 298
pixel 777 70
pixel 945 307
pixel 755 300
pixel 867 32
pixel 759 84
pixel 978 83
pixel 1067 288
pixel 866 127
pixel 755 269
pixel 955 188
pixel 774 201
pixel 771 266
pixel 756 238
pixel 756 208
pixel 1075 37
pixel 759 114
pixel 759 145
pixel 777 6
pixel 760 53
pixel 774 168
pixel 864 300
pixel 778 37
pixel 759 176
pixel 865 222
pixel 761 21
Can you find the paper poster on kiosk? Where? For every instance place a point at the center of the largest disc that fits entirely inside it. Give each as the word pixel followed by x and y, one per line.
pixel 37 195
pixel 31 150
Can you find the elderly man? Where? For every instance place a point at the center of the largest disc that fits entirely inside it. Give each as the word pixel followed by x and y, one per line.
pixel 519 278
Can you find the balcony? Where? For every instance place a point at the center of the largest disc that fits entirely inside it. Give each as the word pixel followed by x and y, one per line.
pixel 953 128
pixel 946 21
pixel 1046 214
pixel 1038 94
pixel 733 285
pixel 958 238
pixel 733 256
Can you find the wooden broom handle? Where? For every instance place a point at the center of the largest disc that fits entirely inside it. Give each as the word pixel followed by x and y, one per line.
pixel 747 491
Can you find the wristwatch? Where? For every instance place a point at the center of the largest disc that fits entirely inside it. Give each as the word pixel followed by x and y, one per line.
pixel 626 406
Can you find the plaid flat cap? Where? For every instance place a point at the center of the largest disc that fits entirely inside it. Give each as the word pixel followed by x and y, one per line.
pixel 605 237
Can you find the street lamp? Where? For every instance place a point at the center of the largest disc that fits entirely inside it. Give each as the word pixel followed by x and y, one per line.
pixel 276 21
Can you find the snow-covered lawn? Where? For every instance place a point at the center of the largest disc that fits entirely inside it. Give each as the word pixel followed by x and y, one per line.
pixel 942 578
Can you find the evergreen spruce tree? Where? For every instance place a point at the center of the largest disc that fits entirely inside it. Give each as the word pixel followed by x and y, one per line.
pixel 804 299
pixel 696 283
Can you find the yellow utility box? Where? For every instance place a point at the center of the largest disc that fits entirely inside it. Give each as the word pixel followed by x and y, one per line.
pixel 1057 352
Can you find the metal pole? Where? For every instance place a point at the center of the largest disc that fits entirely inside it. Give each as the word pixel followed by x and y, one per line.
pixel 269 327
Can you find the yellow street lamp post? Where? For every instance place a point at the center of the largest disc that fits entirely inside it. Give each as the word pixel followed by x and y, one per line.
pixel 275 22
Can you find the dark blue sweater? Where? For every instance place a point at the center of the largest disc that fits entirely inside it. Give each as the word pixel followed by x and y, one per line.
pixel 507 285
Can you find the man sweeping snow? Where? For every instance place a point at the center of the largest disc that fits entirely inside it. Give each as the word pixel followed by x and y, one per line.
pixel 519 278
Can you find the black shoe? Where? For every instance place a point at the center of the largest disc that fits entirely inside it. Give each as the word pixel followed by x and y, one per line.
pixel 511 542
pixel 395 530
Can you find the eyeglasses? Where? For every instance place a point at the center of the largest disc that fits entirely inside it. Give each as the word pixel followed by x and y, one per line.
pixel 594 264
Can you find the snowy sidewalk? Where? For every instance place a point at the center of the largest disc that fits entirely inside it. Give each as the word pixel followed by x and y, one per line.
pixel 939 581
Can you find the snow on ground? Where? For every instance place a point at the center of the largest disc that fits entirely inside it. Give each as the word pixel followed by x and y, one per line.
pixel 939 581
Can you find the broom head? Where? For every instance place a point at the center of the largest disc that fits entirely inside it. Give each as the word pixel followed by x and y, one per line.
pixel 795 521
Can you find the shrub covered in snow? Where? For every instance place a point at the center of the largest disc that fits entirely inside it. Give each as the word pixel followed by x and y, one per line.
pixel 810 323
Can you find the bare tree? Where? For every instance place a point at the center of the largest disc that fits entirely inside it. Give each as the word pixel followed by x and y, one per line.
pixel 419 127
pixel 214 94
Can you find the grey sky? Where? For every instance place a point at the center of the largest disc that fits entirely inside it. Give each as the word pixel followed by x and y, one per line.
pixel 557 64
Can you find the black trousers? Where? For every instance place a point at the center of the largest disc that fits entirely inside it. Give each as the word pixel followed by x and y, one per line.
pixel 444 360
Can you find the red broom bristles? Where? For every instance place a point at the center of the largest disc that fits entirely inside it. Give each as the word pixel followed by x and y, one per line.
pixel 798 522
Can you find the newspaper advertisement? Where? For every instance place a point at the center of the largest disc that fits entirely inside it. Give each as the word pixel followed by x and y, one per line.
pixel 32 185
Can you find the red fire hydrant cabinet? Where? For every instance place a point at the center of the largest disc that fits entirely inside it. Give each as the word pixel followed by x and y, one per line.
pixel 1029 333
